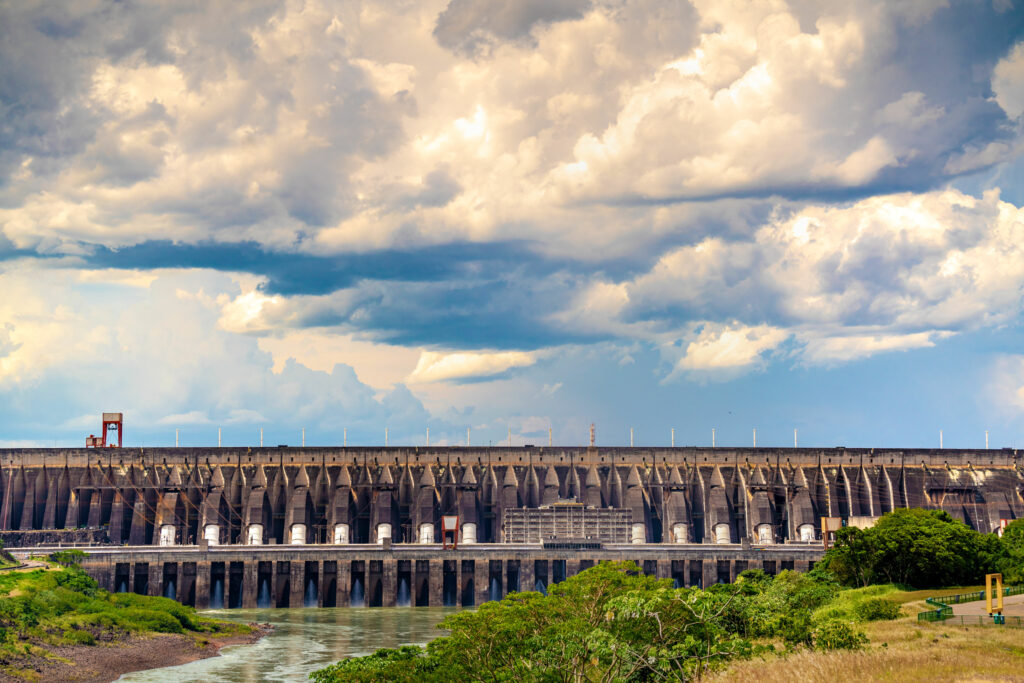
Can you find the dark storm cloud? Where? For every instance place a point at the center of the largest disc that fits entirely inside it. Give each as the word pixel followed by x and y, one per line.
pixel 469 26
pixel 507 312
pixel 291 274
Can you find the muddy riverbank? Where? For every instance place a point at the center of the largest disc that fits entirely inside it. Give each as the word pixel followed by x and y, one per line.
pixel 107 662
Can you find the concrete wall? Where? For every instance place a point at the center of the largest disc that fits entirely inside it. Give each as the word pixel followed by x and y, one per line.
pixel 177 496
pixel 329 576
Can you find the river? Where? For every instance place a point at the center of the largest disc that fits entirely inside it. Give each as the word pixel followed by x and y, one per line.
pixel 303 640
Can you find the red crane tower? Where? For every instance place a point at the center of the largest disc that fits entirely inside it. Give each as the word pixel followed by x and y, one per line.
pixel 113 422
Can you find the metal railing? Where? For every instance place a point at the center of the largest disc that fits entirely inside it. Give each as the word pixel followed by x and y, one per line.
pixel 979 620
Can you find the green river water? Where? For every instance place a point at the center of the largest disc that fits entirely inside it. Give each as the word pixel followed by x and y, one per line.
pixel 304 640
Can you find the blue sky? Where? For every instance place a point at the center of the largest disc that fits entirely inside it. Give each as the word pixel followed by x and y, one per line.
pixel 760 215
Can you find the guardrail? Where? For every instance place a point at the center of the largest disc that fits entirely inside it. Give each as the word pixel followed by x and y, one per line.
pixel 944 612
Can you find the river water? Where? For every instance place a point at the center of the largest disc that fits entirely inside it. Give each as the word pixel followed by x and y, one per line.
pixel 303 640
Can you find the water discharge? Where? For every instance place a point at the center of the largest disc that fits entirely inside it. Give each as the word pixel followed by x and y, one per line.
pixel 263 597
pixel 217 594
pixel 309 599
pixel 303 640
pixel 357 599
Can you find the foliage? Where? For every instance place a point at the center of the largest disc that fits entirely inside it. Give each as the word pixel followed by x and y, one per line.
pixel 66 606
pixel 1012 563
pixel 835 634
pixel 914 547
pixel 406 664
pixel 68 558
pixel 611 623
pixel 877 609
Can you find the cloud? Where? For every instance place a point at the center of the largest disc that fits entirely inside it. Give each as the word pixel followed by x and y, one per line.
pixel 1008 82
pixel 832 350
pixel 471 26
pixel 439 367
pixel 167 365
pixel 730 347
pixel 319 196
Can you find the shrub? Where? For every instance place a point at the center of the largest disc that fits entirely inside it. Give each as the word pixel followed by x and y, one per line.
pixel 75 637
pixel 74 579
pixel 877 609
pixel 67 558
pixel 838 635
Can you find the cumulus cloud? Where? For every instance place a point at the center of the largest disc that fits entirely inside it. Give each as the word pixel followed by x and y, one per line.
pixel 437 367
pixel 471 26
pixel 730 347
pixel 1008 82
pixel 7 345
pixel 163 361
pixel 357 187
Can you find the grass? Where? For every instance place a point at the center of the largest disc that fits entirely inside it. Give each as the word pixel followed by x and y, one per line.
pixel 899 650
pixel 44 609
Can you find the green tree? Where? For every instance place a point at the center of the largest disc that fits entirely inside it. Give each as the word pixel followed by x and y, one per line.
pixel 915 547
pixel 608 623
pixel 1011 563
pixel 68 558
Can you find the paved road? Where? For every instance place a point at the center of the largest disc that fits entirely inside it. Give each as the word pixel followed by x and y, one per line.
pixel 1013 606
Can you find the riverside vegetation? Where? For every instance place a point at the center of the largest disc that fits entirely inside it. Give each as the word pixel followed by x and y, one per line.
pixel 46 610
pixel 612 623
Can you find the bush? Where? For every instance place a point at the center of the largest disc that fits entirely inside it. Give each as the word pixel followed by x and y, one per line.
pixel 877 609
pixel 76 637
pixel 68 558
pixel 838 635
pixel 74 579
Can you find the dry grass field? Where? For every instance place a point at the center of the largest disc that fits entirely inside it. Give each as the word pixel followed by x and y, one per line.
pixel 901 650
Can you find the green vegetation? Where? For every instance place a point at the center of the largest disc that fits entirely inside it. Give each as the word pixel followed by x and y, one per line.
pixel 612 623
pixel 922 549
pixel 6 559
pixel 1012 563
pixel 47 608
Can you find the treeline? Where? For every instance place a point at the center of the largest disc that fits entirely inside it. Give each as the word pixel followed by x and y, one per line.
pixel 611 622
pixel 924 549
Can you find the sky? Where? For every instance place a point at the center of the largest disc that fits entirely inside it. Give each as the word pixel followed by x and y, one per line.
pixel 346 217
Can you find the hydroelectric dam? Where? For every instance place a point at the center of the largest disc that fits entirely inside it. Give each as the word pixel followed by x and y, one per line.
pixel 290 527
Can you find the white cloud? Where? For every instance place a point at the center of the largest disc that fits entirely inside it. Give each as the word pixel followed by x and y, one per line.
pixel 168 364
pixel 1008 81
pixel 841 349
pixel 439 367
pixel 730 347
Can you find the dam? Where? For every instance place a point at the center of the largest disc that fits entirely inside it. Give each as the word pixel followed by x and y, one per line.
pixel 337 526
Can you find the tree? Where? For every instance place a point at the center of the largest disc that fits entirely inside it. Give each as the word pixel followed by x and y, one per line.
pixel 915 547
pixel 608 623
pixel 1011 564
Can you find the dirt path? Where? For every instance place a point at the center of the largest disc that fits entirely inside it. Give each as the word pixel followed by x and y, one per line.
pixel 1013 606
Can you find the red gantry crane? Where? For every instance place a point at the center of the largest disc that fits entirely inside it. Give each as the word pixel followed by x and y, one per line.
pixel 111 422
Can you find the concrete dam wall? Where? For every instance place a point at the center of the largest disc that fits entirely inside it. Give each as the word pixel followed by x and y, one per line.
pixel 321 525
